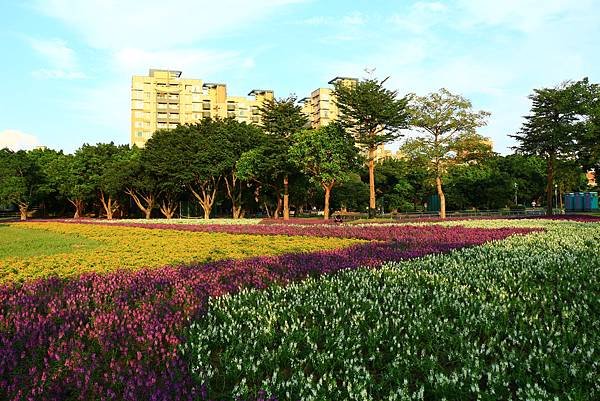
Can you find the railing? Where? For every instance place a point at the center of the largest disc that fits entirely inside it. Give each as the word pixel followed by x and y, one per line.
pixel 450 214
pixel 6 215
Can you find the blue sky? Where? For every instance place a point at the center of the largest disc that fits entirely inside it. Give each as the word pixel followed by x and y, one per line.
pixel 67 64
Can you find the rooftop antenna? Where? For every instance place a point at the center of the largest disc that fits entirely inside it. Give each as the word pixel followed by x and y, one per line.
pixel 370 72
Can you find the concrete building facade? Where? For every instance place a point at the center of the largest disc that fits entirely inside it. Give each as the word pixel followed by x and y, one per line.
pixel 163 99
pixel 320 106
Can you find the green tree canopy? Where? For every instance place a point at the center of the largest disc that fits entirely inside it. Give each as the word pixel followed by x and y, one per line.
pixel 442 120
pixel 374 115
pixel 240 138
pixel 281 118
pixel 327 154
pixel 162 161
pixel 553 126
pixel 20 180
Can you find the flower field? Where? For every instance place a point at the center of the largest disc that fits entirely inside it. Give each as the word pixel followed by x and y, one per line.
pixel 134 248
pixel 517 319
pixel 299 312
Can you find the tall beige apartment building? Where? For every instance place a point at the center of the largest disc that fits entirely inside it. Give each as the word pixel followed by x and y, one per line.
pixel 320 106
pixel 163 99
pixel 321 109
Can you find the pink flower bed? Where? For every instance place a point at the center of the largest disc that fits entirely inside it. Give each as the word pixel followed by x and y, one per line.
pixel 371 233
pixel 116 336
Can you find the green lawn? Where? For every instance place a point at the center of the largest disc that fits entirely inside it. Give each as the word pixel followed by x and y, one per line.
pixel 24 242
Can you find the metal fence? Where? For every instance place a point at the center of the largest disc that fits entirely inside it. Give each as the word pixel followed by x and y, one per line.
pixel 450 214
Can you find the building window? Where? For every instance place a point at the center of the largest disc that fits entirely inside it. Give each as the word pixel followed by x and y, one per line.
pixel 206 105
pixel 206 114
pixel 196 97
pixel 140 134
pixel 139 124
pixel 196 106
pixel 138 104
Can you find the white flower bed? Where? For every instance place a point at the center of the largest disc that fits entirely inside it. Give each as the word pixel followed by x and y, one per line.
pixel 515 319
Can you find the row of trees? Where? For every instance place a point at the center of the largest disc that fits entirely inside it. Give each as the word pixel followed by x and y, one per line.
pixel 142 182
pixel 246 167
pixel 563 127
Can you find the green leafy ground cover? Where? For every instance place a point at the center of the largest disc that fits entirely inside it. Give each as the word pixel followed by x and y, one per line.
pixel 515 319
pixel 24 242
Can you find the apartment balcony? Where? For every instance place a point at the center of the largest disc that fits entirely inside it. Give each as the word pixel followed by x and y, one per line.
pixel 167 98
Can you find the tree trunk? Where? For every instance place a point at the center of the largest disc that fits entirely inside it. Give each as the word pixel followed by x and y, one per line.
pixel 238 212
pixel 438 185
pixel 550 184
pixel 286 199
pixel 327 189
pixel 149 199
pixel 372 183
pixel 78 204
pixel 23 211
pixel 168 208
pixel 207 198
pixel 109 205
pixel 234 196
pixel 278 209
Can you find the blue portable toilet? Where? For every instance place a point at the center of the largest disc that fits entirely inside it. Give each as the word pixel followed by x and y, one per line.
pixel 579 202
pixel 594 201
pixel 569 201
pixel 587 201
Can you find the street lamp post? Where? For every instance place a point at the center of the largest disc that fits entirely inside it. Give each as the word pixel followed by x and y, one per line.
pixel 516 200
pixel 556 195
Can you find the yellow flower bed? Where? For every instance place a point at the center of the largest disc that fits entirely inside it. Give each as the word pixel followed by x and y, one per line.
pixel 134 248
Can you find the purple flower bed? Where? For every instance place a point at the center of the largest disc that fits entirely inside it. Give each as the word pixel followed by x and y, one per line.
pixel 371 233
pixel 116 336
pixel 581 218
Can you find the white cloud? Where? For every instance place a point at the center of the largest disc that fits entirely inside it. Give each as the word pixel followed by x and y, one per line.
pixel 156 24
pixel 130 61
pixel 355 18
pixel 522 15
pixel 17 140
pixel 494 53
pixel 60 59
pixel 318 20
pixel 421 17
pixel 44 73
